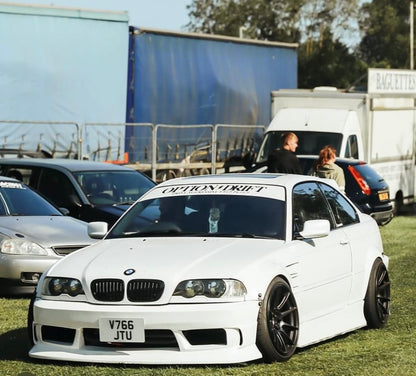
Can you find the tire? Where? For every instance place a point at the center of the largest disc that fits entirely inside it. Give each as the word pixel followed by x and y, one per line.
pixel 30 319
pixel 398 204
pixel 377 297
pixel 278 323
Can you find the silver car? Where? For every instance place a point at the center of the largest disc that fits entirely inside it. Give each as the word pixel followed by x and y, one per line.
pixel 34 234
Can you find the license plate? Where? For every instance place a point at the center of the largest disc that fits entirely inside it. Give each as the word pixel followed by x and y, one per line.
pixel 121 330
pixel 382 196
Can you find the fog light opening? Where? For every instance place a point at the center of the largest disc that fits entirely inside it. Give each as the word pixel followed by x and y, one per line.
pixel 32 277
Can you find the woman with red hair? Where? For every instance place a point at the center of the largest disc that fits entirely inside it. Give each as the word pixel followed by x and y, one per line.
pixel 325 166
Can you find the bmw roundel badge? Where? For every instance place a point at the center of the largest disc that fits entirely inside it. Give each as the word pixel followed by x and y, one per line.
pixel 129 271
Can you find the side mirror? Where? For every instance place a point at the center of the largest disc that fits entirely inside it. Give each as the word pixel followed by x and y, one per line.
pixel 64 211
pixel 74 200
pixel 97 230
pixel 249 159
pixel 316 228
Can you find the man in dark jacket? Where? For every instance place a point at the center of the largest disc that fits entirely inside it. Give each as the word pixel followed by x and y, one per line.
pixel 284 159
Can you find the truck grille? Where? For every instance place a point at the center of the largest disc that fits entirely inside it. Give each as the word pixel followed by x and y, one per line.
pixel 138 290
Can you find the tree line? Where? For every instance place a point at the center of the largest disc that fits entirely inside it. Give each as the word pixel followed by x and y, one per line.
pixel 338 39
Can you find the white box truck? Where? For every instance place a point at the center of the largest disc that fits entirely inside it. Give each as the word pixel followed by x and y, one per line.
pixel 377 126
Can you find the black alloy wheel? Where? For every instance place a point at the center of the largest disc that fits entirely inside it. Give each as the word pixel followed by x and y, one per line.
pixel 377 298
pixel 278 323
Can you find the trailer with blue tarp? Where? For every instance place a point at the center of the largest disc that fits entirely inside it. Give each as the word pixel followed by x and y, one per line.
pixel 193 79
pixel 81 83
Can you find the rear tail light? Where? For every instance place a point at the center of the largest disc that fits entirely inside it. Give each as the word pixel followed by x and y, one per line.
pixel 360 180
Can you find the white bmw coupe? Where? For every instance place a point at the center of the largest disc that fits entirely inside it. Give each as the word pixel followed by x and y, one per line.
pixel 216 269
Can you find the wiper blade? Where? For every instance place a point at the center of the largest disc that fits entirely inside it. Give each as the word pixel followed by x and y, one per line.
pixel 123 203
pixel 141 234
pixel 244 235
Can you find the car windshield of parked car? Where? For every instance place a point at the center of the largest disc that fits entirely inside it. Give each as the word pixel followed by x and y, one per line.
pixel 113 187
pixel 204 215
pixel 18 199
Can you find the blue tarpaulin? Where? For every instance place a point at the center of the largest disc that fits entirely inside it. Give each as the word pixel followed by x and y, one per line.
pixel 180 78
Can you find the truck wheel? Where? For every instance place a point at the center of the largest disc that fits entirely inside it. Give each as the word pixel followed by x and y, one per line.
pixel 377 298
pixel 278 323
pixel 398 204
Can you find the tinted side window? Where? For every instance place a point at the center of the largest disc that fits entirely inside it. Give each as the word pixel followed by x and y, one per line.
pixel 309 203
pixel 56 187
pixel 343 212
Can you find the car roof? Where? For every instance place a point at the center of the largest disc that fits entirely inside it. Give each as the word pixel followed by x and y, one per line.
pixel 7 179
pixel 61 163
pixel 242 178
pixel 347 161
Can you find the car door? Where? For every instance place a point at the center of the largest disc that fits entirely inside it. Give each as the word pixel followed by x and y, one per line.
pixel 358 235
pixel 324 264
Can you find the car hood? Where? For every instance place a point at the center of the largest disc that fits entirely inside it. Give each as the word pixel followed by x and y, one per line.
pixel 46 230
pixel 169 259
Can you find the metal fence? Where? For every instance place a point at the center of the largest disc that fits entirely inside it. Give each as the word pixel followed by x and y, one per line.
pixel 163 151
pixel 50 139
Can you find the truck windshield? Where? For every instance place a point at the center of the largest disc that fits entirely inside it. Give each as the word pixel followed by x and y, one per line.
pixel 310 143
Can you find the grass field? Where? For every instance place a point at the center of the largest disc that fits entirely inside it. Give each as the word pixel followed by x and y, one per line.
pixel 387 352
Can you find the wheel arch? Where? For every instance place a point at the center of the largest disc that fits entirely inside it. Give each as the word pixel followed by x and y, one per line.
pixel 267 279
pixel 367 272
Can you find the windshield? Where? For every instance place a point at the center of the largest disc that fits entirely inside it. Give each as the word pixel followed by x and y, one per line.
pixel 310 143
pixel 204 215
pixel 113 187
pixel 18 199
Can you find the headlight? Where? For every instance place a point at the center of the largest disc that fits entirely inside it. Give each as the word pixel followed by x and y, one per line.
pixel 22 247
pixel 211 288
pixel 54 286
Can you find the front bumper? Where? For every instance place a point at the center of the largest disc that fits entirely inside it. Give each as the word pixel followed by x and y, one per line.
pixel 221 333
pixel 19 272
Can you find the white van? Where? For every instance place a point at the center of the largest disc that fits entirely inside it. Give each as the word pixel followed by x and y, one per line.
pixel 377 126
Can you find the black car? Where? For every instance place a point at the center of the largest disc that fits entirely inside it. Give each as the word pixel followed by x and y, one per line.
pixel 363 186
pixel 91 191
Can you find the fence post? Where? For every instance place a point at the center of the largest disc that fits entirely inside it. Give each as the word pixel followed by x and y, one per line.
pixel 154 151
pixel 214 150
